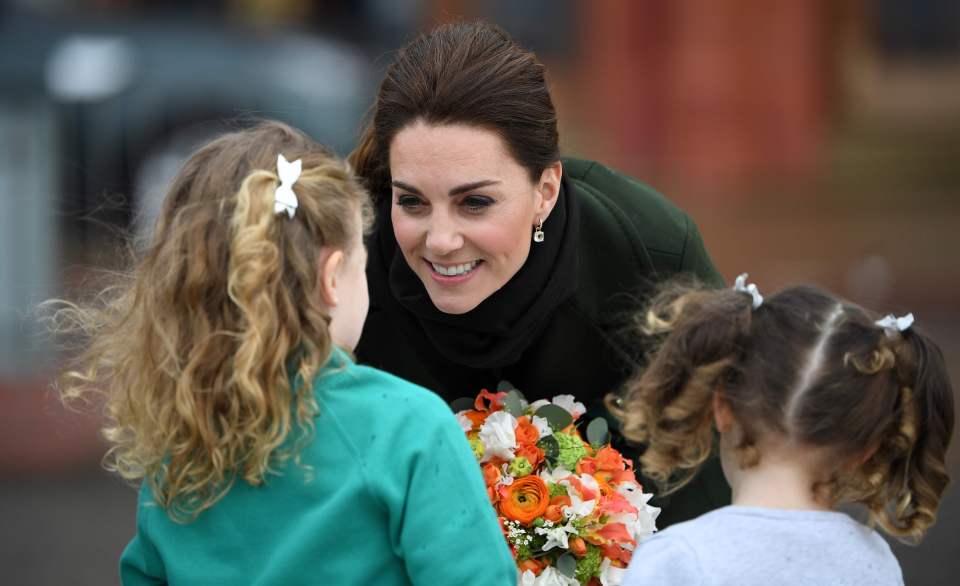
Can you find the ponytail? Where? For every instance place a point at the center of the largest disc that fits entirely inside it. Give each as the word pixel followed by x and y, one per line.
pixel 669 407
pixel 908 472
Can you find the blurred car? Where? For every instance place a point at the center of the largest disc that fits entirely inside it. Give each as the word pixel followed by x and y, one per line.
pixel 124 100
pixel 97 114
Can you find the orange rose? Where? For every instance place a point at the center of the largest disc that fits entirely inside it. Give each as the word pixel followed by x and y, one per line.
pixel 526 432
pixel 610 460
pixel 586 465
pixel 491 474
pixel 532 453
pixel 578 546
pixel 533 565
pixel 554 510
pixel 526 499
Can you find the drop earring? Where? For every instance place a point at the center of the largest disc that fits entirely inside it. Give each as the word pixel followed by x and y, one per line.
pixel 538 233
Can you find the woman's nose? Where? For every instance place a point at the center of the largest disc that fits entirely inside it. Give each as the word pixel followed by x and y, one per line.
pixel 443 236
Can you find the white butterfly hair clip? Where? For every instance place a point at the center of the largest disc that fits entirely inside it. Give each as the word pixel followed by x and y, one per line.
pixel 893 325
pixel 741 285
pixel 284 199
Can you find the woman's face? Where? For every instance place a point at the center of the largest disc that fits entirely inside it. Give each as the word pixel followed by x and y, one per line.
pixel 464 210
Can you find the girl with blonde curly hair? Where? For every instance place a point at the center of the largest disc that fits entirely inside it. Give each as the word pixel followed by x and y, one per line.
pixel 266 455
pixel 817 402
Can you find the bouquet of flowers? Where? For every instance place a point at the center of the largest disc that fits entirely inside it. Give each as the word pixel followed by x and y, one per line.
pixel 571 509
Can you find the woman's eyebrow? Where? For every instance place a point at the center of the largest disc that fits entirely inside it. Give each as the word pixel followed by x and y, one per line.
pixel 471 186
pixel 455 191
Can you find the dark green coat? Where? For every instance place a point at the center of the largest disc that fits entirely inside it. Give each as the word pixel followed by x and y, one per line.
pixel 631 238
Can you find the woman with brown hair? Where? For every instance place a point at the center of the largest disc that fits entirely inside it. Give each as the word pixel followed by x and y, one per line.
pixel 493 258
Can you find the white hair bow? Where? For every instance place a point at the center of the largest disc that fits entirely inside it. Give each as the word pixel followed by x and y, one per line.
pixel 893 325
pixel 741 285
pixel 284 199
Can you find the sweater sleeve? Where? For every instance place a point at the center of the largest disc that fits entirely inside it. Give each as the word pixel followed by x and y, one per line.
pixel 441 521
pixel 140 564
pixel 666 560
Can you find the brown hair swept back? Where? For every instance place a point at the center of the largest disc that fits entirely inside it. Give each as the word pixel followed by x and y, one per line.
pixel 194 350
pixel 807 367
pixel 469 73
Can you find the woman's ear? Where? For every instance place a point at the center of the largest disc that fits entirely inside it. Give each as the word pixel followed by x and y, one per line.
pixel 329 263
pixel 548 188
pixel 722 414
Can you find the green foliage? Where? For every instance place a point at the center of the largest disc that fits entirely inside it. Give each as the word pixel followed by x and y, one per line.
pixel 461 404
pixel 567 565
pixel 558 417
pixel 572 449
pixel 513 403
pixel 589 565
pixel 598 432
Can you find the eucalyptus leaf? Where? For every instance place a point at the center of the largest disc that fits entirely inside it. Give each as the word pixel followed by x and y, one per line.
pixel 557 417
pixel 598 432
pixel 516 393
pixel 567 565
pixel 512 403
pixel 505 385
pixel 550 447
pixel 461 404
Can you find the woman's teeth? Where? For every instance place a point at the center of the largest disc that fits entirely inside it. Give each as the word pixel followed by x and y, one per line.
pixel 455 270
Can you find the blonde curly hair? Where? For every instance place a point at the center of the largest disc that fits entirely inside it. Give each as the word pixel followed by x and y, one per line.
pixel 805 367
pixel 195 350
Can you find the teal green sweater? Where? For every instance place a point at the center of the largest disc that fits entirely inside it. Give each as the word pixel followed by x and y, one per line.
pixel 396 498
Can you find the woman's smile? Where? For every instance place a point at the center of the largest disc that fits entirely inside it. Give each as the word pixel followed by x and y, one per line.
pixel 446 273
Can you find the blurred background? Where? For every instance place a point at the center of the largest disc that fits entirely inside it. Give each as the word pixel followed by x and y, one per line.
pixel 812 140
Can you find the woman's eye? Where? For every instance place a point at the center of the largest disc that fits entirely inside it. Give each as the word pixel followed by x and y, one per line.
pixel 476 203
pixel 409 202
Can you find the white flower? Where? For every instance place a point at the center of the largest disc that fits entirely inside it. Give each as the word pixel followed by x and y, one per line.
pixel 568 402
pixel 464 421
pixel 527 578
pixel 578 507
pixel 498 436
pixel 542 425
pixel 551 576
pixel 610 575
pixel 506 479
pixel 537 404
pixel 556 536
pixel 558 474
pixel 643 523
pixel 589 482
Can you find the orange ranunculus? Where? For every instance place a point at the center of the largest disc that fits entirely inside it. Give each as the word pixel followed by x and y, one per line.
pixel 532 453
pixel 534 566
pixel 526 432
pixel 526 499
pixel 554 510
pixel 491 474
pixel 610 460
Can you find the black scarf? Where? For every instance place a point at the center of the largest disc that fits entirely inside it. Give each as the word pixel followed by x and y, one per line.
pixel 496 332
